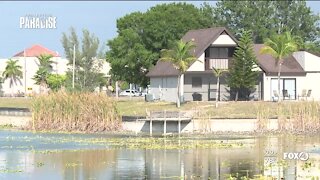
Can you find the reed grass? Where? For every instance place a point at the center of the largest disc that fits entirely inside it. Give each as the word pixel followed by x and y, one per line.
pixel 263 116
pixel 77 111
pixel 293 117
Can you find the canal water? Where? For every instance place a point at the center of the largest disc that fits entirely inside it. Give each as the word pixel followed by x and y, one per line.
pixel 26 155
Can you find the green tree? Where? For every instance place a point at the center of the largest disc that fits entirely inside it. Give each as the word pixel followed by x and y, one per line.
pixel 56 81
pixel 45 68
pixel 181 59
pixel 264 18
pixel 280 46
pixel 218 73
pixel 87 65
pixel 12 72
pixel 141 36
pixel 242 76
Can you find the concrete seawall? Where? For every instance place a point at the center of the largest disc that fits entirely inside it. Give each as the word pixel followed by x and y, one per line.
pixel 196 125
pixel 16 121
pixel 212 125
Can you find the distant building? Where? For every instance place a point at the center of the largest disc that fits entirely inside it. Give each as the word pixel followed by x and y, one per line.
pixel 29 62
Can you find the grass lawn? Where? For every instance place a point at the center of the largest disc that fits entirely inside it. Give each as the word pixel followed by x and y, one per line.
pixel 137 106
pixel 225 109
pixel 18 102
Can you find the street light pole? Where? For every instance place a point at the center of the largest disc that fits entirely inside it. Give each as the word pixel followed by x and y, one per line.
pixel 74 63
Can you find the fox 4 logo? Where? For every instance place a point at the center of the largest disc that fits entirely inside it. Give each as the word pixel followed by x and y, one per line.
pixel 303 156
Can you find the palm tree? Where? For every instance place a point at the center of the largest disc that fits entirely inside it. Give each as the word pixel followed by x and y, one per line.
pixel 218 73
pixel 12 72
pixel 280 46
pixel 45 61
pixel 181 58
pixel 44 70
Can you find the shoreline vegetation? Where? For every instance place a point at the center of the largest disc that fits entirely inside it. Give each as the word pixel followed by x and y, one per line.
pixel 87 112
pixel 91 112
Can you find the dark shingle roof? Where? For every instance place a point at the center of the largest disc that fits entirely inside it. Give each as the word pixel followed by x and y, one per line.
pixel 202 38
pixel 163 68
pixel 268 64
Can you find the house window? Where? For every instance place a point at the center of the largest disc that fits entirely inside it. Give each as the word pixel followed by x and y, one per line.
pixel 218 53
pixel 196 82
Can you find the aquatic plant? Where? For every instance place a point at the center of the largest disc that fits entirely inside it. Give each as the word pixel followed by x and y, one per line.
pixel 77 111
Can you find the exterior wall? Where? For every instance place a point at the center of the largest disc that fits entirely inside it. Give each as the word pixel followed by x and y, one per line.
pixel 310 82
pixel 309 62
pixel 208 82
pixel 31 64
pixel 209 88
pixel 302 82
pixel 198 65
pixel 164 88
pixel 60 65
pixel 224 39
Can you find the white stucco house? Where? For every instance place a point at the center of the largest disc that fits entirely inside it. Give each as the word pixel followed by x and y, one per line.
pixel 214 47
pixel 29 62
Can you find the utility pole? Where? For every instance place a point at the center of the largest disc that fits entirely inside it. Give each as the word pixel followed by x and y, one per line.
pixel 74 64
pixel 25 73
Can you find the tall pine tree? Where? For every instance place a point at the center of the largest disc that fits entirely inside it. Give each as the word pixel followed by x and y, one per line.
pixel 242 76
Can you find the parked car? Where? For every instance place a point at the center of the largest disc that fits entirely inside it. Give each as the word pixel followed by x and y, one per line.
pixel 127 93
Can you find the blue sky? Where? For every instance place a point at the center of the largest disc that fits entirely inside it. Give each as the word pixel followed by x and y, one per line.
pixel 98 17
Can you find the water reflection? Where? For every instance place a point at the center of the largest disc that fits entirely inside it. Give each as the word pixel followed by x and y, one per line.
pixel 251 160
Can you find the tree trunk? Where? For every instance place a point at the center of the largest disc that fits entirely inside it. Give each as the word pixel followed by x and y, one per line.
pixel 237 93
pixel 42 87
pixel 279 89
pixel 178 91
pixel 12 85
pixel 218 91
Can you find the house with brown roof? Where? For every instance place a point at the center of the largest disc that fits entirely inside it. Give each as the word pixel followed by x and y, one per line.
pixel 214 48
pixel 299 76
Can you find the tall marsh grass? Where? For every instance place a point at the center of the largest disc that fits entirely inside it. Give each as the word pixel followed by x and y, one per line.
pixel 62 111
pixel 293 117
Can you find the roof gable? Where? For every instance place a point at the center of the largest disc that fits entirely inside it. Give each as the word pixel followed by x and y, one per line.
pixel 224 39
pixel 36 50
pixel 202 38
